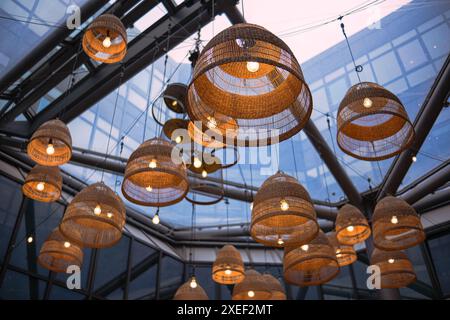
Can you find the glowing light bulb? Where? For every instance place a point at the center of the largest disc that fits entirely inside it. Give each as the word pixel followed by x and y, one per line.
pixel 107 42
pixel 152 164
pixel 280 241
pixel 197 163
pixel 156 219
pixel 304 247
pixel 30 239
pixel 67 244
pixel 367 103
pixel 394 220
pixel 228 272
pixel 149 189
pixel 252 66
pixel 204 174
pixel 109 215
pixel 350 228
pixel 174 103
pixel 391 260
pixel 284 205
pixel 338 251
pixel 97 209
pixel 212 123
pixel 414 159
pixel 251 293
pixel 193 283
pixel 50 149
pixel 178 139
pixel 40 186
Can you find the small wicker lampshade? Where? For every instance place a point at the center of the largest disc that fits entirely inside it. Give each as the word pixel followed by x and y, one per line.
pixel 95 217
pixel 176 130
pixel 207 137
pixel 228 268
pixel 396 269
pixel 185 292
pixel 152 178
pixel 57 253
pixel 345 254
pixel 275 287
pixel 351 225
pixel 311 264
pixel 248 76
pixel 105 40
pixel 51 144
pixel 175 97
pixel 43 184
pixel 253 287
pixel 283 213
pixel 396 225
pixel 372 123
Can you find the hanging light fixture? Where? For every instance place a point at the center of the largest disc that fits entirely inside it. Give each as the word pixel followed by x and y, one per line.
pixel 249 77
pixel 152 178
pixel 187 292
pixel 276 289
pixel 283 213
pixel 396 269
pixel 51 144
pixel 95 217
pixel 228 268
pixel 396 225
pixel 345 254
pixel 253 287
pixel 176 130
pixel 351 226
pixel 105 39
pixel 43 184
pixel 175 97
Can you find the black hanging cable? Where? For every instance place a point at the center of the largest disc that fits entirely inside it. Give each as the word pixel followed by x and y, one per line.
pixel 295 160
pixel 358 68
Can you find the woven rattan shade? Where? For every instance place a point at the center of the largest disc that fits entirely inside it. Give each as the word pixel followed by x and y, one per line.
pixel 275 287
pixel 274 97
pixel 345 254
pixel 53 132
pixel 396 269
pixel 373 123
pixel 405 233
pixel 88 228
pixel 185 292
pixel 103 26
pixel 175 97
pixel 204 136
pixel 174 128
pixel 57 253
pixel 253 282
pixel 162 185
pixel 295 226
pixel 228 268
pixel 311 264
pixel 48 179
pixel 351 225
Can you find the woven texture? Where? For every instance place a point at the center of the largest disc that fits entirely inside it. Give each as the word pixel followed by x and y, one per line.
pixel 345 254
pixel 228 268
pixel 254 283
pixel 395 267
pixel 175 97
pixel 311 264
pixel 208 137
pixel 53 132
pixel 295 226
pixel 177 128
pixel 43 184
pixel 57 253
pixel 373 123
pixel 396 225
pixel 88 228
pixel 276 289
pixel 351 225
pixel 160 185
pixel 103 26
pixel 185 292
pixel 273 97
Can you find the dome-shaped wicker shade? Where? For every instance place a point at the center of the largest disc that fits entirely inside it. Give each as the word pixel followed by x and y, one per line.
pixel 43 184
pixel 185 292
pixel 396 225
pixel 275 287
pixel 175 97
pixel 253 287
pixel 373 123
pixel 283 213
pixel 175 129
pixel 95 217
pixel 228 268
pixel 251 77
pixel 395 267
pixel 51 144
pixel 95 42
pixel 311 264
pixel 345 254
pixel 57 253
pixel 152 178
pixel 351 225
pixel 207 137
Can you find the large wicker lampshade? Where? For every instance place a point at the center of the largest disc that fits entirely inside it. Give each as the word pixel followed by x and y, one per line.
pixel 275 287
pixel 152 178
pixel 186 292
pixel 43 184
pixel 175 97
pixel 310 264
pixel 228 268
pixel 396 269
pixel 51 144
pixel 351 225
pixel 373 123
pixel 248 76
pixel 283 213
pixel 57 253
pixel 105 40
pixel 253 287
pixel 396 225
pixel 345 254
pixel 95 217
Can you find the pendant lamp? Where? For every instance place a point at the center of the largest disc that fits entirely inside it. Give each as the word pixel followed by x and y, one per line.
pixel 228 268
pixel 175 97
pixel 396 269
pixel 351 225
pixel 43 184
pixel 276 289
pixel 186 292
pixel 253 287
pixel 345 254
pixel 176 130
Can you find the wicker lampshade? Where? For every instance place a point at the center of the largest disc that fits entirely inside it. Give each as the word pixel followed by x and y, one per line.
pixel 351 225
pixel 373 123
pixel 95 217
pixel 228 268
pixel 345 254
pixel 248 76
pixel 152 178
pixel 51 144
pixel 185 292
pixel 311 264
pixel 176 130
pixel 204 136
pixel 253 287
pixel 396 269
pixel 43 184
pixel 57 253
pixel 96 44
pixel 275 287
pixel 283 213
pixel 396 225
pixel 175 97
